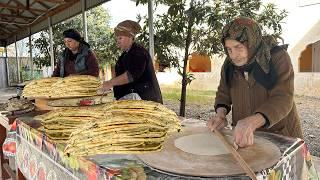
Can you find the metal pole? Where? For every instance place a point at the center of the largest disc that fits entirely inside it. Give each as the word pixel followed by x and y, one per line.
pixel 7 65
pixel 51 45
pixel 151 32
pixel 84 20
pixel 30 50
pixel 17 60
pixel 107 76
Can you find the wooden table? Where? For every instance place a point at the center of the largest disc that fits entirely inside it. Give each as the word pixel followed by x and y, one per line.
pixel 35 150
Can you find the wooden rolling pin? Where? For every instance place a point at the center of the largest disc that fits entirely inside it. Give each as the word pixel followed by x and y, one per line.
pixel 236 155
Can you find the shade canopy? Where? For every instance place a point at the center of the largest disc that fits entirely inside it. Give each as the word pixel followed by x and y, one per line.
pixel 21 18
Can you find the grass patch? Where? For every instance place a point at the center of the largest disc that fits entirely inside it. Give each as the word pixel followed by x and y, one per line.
pixel 193 96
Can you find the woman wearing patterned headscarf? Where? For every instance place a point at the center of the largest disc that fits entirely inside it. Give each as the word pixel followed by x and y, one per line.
pixel 135 74
pixel 257 82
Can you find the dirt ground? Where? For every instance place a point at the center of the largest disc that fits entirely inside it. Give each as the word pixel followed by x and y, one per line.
pixel 308 108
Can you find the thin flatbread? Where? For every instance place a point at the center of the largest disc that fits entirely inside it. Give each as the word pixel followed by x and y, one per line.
pixel 201 144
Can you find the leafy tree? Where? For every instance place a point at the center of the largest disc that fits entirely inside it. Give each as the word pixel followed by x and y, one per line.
pixel 196 25
pixel 100 37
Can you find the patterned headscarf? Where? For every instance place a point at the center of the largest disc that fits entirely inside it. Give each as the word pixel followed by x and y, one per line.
pixel 248 32
pixel 127 28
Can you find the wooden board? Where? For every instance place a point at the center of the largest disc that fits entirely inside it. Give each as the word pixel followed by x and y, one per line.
pixel 42 104
pixel 52 104
pixel 108 92
pixel 84 101
pixel 54 98
pixel 263 154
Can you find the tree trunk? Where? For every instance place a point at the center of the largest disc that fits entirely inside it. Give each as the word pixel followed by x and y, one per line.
pixel 185 62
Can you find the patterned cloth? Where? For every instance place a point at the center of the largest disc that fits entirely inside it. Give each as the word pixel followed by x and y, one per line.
pixel 9 145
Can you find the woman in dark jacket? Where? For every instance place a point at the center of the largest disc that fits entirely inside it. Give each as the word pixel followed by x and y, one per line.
pixel 77 57
pixel 134 69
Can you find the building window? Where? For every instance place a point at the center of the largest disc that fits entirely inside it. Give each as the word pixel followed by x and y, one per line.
pixel 199 63
pixel 309 60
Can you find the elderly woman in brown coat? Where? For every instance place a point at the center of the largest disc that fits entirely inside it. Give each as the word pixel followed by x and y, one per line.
pixel 257 83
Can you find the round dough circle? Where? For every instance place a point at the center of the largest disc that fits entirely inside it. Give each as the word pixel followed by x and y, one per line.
pixel 201 144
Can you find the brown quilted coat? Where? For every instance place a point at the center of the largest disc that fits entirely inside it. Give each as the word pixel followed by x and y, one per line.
pixel 247 97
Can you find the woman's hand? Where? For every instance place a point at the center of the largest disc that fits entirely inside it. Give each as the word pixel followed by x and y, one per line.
pixel 243 132
pixel 219 120
pixel 106 86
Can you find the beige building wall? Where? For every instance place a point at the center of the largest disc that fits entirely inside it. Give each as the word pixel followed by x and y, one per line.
pixel 202 81
pixel 307 83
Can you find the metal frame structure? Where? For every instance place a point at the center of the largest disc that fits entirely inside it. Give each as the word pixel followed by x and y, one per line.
pixel 23 18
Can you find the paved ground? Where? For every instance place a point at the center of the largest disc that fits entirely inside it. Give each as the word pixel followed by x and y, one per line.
pixel 7 93
pixel 316 161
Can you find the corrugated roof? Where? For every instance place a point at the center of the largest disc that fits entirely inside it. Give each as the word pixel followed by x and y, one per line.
pixel 20 18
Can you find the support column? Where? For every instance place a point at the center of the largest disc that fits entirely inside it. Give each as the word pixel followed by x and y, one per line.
pixel 84 20
pixel 7 65
pixel 151 32
pixel 17 60
pixel 51 45
pixel 30 50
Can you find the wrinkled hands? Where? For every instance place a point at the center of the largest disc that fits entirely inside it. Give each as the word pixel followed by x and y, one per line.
pixel 219 120
pixel 243 132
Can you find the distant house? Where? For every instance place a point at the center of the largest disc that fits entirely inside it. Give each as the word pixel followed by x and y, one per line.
pixel 206 71
pixel 305 57
pixel 199 63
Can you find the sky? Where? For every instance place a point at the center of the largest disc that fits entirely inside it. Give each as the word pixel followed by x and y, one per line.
pixel 300 18
pixel 121 10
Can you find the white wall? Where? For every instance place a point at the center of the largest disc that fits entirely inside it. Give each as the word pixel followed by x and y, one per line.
pixel 202 81
pixel 300 19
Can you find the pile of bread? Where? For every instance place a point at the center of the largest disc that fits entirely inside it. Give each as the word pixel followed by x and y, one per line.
pixel 56 87
pixel 121 127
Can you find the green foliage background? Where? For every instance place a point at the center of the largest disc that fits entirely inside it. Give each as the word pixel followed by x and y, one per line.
pixel 195 26
pixel 100 37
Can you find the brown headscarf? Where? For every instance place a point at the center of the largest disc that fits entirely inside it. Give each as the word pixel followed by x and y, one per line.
pixel 127 28
pixel 248 32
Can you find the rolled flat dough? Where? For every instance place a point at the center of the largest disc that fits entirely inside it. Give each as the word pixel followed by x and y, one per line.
pixel 201 144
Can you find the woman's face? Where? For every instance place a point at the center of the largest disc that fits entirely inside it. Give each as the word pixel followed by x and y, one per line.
pixel 237 52
pixel 124 42
pixel 71 44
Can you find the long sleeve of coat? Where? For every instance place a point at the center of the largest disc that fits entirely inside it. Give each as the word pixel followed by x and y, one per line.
pixel 280 100
pixel 223 97
pixel 56 71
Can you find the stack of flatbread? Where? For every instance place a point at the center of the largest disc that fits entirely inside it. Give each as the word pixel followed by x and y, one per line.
pixel 122 127
pixel 39 87
pixel 76 86
pixel 60 123
pixel 71 86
